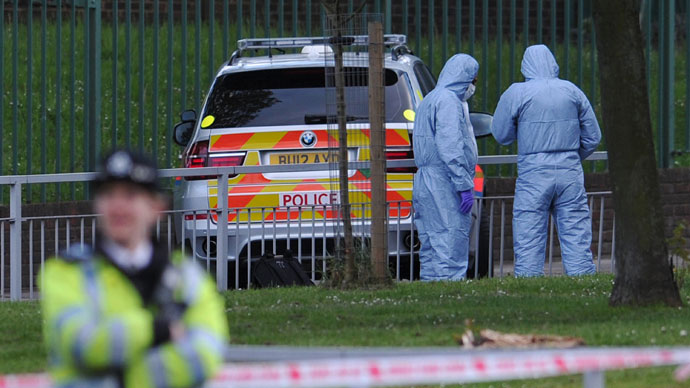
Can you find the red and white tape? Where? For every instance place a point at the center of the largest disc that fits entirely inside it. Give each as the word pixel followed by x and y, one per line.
pixel 25 381
pixel 410 370
pixel 453 368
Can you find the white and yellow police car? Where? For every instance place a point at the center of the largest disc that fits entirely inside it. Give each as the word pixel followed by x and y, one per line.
pixel 273 110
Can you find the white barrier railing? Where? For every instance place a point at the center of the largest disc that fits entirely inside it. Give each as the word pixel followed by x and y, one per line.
pixel 311 240
pixel 441 368
pixel 39 226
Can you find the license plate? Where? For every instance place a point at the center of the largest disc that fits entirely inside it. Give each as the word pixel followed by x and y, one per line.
pixel 303 158
pixel 309 198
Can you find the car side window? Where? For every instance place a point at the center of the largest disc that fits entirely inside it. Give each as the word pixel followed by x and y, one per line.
pixel 426 80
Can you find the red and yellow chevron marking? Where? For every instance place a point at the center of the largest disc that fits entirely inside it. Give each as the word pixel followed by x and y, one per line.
pixel 319 214
pixel 478 181
pixel 230 142
pixel 280 140
pixel 394 137
pixel 267 197
pixel 274 140
pixel 256 191
pixel 397 137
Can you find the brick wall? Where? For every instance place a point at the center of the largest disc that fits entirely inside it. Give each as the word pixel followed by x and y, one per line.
pixel 675 199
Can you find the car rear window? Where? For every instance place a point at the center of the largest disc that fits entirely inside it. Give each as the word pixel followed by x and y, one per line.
pixel 298 96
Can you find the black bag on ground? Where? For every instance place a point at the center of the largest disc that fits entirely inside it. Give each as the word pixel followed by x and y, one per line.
pixel 279 271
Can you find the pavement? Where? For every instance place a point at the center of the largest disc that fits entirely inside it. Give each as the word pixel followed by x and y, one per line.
pixel 555 268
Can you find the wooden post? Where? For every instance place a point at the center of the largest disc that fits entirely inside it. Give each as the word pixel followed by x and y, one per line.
pixel 379 211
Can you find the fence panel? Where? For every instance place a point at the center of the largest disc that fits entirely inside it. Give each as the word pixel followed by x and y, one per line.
pixel 312 242
pixel 81 76
pixel 240 236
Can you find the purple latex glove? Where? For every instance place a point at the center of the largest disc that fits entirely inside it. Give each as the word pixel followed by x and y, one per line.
pixel 466 201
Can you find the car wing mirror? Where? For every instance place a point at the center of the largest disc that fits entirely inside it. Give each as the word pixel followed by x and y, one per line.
pixel 182 132
pixel 188 115
pixel 481 123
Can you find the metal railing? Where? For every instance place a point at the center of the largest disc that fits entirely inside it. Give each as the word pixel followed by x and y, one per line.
pixel 245 234
pixel 82 75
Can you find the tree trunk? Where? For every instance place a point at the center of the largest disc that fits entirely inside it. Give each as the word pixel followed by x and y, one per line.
pixel 350 266
pixel 345 208
pixel 643 271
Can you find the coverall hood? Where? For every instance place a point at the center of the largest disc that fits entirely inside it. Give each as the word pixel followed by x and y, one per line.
pixel 458 73
pixel 538 62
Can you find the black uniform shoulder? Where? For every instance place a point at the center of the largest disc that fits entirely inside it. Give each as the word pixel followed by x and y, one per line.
pixel 77 253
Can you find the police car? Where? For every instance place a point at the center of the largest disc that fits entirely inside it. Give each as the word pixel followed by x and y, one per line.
pixel 271 110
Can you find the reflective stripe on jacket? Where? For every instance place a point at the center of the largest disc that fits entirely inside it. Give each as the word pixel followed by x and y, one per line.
pixel 96 326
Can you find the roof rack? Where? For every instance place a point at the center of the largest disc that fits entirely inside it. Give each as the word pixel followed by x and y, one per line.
pixel 389 40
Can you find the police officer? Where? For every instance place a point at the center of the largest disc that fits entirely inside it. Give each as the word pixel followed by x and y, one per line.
pixel 128 313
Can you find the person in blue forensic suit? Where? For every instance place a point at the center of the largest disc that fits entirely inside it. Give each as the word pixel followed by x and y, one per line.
pixel 556 129
pixel 445 152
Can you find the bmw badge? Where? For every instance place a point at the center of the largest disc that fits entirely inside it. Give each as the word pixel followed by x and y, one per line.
pixel 308 139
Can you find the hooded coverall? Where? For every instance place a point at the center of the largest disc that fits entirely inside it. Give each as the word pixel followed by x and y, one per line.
pixel 445 153
pixel 556 129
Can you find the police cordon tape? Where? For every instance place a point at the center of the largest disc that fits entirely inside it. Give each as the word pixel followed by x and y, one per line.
pixel 471 366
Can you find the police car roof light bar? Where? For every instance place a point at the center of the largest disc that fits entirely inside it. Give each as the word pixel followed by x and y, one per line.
pixel 348 40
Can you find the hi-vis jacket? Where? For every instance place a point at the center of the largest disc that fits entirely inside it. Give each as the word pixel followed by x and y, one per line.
pixel 99 333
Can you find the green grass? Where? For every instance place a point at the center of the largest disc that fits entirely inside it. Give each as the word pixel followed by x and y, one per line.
pixel 418 314
pixel 21 342
pixel 141 106
pixel 415 314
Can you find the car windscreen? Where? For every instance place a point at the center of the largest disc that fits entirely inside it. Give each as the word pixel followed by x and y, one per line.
pixel 299 96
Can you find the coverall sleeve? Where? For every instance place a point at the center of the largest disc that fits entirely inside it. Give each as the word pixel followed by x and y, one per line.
pixel 74 329
pixel 198 355
pixel 504 124
pixel 449 138
pixel 590 133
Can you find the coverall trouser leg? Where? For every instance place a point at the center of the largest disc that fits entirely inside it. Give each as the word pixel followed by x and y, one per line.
pixel 561 192
pixel 444 234
pixel 533 194
pixel 574 222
